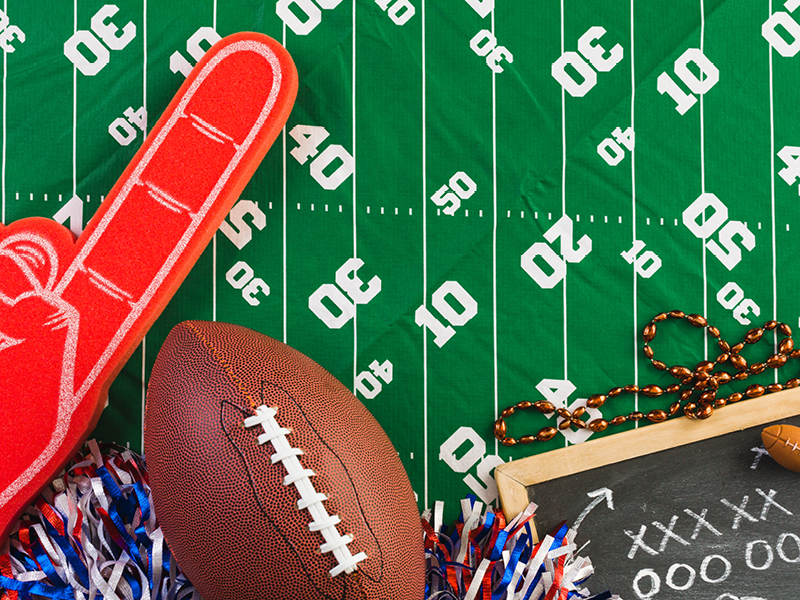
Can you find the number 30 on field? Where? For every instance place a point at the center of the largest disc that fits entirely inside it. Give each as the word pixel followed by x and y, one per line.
pixel 91 40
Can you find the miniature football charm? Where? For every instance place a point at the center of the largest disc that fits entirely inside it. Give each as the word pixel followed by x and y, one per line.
pixel 783 444
pixel 270 479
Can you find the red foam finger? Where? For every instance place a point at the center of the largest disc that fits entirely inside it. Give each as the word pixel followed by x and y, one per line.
pixel 71 313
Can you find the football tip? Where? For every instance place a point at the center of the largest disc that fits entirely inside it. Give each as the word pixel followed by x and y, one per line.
pixel 770 435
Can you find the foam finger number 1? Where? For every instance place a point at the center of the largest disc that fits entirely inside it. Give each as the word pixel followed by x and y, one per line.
pixel 107 289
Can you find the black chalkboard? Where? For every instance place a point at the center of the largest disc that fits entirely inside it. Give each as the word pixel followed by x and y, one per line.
pixel 717 519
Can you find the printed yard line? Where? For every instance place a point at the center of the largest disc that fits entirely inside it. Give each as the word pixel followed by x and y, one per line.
pixel 633 217
pixel 283 192
pixel 703 173
pixel 564 193
pixel 772 189
pixel 74 109
pixel 355 227
pixel 426 460
pixel 144 137
pixel 494 240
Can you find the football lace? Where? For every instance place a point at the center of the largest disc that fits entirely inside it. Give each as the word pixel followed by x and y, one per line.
pixel 310 499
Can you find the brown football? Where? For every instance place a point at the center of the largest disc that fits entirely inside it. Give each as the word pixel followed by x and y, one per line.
pixel 270 479
pixel 783 444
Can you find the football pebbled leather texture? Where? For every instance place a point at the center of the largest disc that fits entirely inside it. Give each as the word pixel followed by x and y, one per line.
pixel 250 520
pixel 783 444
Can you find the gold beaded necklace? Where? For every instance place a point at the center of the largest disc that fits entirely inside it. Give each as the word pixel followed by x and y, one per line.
pixel 703 380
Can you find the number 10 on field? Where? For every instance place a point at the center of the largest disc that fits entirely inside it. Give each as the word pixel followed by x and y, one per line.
pixel 443 333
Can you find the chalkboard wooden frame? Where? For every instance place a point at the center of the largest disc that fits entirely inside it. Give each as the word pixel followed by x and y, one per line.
pixel 514 478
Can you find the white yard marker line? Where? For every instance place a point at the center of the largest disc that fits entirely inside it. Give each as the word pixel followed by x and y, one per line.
pixel 74 109
pixel 772 191
pixel 703 173
pixel 564 200
pixel 633 220
pixel 494 241
pixel 564 191
pixel 285 201
pixel 144 137
pixel 355 205
pixel 426 466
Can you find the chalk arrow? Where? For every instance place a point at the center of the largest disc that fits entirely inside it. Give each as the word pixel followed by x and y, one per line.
pixel 599 496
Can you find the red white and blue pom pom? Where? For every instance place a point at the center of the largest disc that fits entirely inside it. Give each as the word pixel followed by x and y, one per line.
pixel 93 534
pixel 488 559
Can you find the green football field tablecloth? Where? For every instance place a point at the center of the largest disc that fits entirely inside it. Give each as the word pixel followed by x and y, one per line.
pixel 474 202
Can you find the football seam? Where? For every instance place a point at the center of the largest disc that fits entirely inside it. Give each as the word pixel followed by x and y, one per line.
pixel 344 468
pixel 310 500
pixel 260 504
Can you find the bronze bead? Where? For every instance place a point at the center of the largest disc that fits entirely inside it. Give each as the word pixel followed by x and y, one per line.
pixel 680 372
pixel 597 425
pixel 527 439
pixel 659 365
pixel 704 412
pixel 737 348
pixel 636 416
pixel 686 394
pixel 546 433
pixel 614 392
pixel 741 376
pixel 673 388
pixel 757 368
pixel 565 424
pixel 507 412
pixel 735 397
pixel 720 402
pixel 770 325
pixel 657 416
pixel 707 398
pixel 676 314
pixel 738 362
pixel 524 404
pixel 648 351
pixel 674 408
pixel 697 320
pixel 754 391
pixel 774 387
pixel 649 332
pixel 753 336
pixel 776 361
pixel 704 366
pixel 500 429
pixel 792 383
pixel 578 412
pixel 596 401
pixel 660 317
pixel 689 409
pixel 713 332
pixel 578 424
pixel 722 378
pixel 786 346
pixel 652 391
pixel 618 420
pixel 509 441
pixel 724 346
pixel 722 358
pixel 785 329
pixel 631 389
pixel 564 413
pixel 543 406
pixel 795 354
